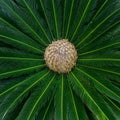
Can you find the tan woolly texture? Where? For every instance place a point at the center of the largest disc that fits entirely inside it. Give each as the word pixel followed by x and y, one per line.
pixel 61 56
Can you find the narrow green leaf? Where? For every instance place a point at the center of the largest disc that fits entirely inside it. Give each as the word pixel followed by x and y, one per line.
pixel 99 25
pixel 69 19
pixel 12 99
pixel 17 58
pixel 46 18
pixel 55 18
pixel 73 113
pixel 104 87
pixel 101 48
pixel 35 101
pixel 102 33
pixel 92 99
pixel 40 40
pixel 114 108
pixel 81 19
pixel 100 69
pixel 61 104
pixel 39 24
pixel 48 111
pixel 19 42
pixel 100 59
pixel 20 71
pixel 17 37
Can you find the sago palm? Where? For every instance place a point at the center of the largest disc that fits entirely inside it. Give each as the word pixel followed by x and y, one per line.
pixel 59 59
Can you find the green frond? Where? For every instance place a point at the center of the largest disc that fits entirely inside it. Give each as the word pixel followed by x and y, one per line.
pixel 103 86
pixel 76 108
pixel 59 103
pixel 91 98
pixel 36 100
pixel 18 93
pixel 12 35
pixel 29 90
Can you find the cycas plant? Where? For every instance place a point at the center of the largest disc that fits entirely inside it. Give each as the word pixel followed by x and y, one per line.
pixel 89 90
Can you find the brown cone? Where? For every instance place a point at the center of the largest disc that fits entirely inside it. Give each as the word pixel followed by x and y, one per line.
pixel 61 56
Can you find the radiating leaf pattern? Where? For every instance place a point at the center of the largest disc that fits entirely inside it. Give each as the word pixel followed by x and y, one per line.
pixel 29 90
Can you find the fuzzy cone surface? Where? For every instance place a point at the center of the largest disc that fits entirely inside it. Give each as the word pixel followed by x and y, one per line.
pixel 29 90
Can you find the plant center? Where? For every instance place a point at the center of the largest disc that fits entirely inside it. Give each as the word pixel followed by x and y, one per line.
pixel 61 56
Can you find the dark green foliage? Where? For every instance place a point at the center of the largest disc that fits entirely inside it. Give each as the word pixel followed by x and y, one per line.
pixel 29 90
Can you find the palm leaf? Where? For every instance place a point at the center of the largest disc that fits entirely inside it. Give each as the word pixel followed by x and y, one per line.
pixel 29 90
pixel 60 103
pixel 93 100
pixel 76 107
pixel 38 97
pixel 14 97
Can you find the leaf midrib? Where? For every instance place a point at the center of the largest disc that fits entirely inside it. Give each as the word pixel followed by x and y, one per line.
pixel 46 18
pixel 48 108
pixel 20 58
pixel 36 20
pixel 98 26
pixel 29 116
pixel 69 19
pixel 113 103
pixel 22 43
pixel 55 18
pixel 61 107
pixel 100 69
pixel 24 69
pixel 24 93
pixel 89 95
pixel 111 26
pixel 24 22
pixel 77 117
pixel 89 1
pixel 96 15
pixel 98 82
pixel 99 59
pixel 107 46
